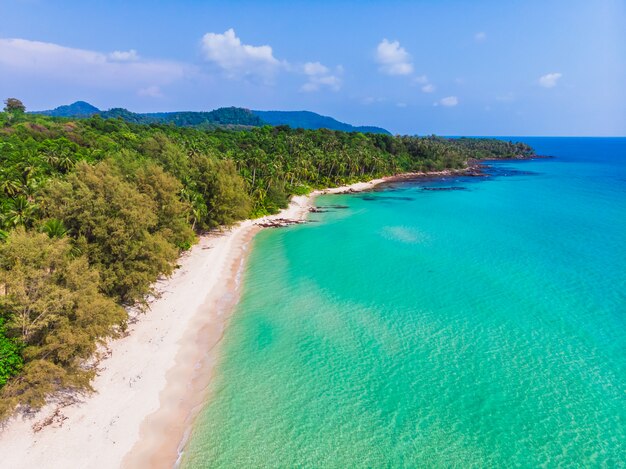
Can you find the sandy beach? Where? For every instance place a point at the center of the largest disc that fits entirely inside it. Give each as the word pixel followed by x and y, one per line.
pixel 150 382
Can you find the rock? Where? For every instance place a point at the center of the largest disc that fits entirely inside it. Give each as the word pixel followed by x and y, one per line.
pixel 280 223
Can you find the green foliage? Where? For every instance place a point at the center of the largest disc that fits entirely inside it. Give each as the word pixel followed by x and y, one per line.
pixel 52 306
pixel 10 358
pixel 222 189
pixel 225 117
pixel 93 211
pixel 14 105
pixel 54 228
pixel 125 231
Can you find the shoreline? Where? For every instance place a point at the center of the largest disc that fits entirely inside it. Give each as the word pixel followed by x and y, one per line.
pixel 154 380
pixel 159 448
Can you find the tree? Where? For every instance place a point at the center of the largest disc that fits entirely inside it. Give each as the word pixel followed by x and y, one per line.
pixel 172 213
pixel 118 225
pixel 10 359
pixel 223 189
pixel 54 228
pixel 53 307
pixel 14 106
pixel 19 212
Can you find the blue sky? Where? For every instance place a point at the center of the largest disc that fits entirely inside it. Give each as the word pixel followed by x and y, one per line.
pixel 447 67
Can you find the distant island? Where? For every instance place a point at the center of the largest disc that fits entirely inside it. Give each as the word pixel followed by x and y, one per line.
pixel 228 117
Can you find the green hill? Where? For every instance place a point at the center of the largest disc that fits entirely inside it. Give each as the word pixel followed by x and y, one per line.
pixel 311 120
pixel 230 117
pixel 77 109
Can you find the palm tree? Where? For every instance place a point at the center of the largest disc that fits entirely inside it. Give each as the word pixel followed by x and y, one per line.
pixel 19 211
pixel 54 228
pixel 9 186
pixel 10 183
pixel 197 206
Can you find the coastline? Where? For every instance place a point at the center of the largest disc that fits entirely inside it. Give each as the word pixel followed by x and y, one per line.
pixel 153 381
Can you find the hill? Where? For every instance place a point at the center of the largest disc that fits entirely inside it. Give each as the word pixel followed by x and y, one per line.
pixel 77 109
pixel 231 117
pixel 223 117
pixel 312 120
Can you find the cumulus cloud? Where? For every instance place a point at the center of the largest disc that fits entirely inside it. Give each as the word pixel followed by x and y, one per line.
pixel 315 68
pixel 448 101
pixel 235 58
pixel 124 56
pixel 480 36
pixel 239 60
pixel 393 59
pixel 319 76
pixel 426 86
pixel 45 60
pixel 550 80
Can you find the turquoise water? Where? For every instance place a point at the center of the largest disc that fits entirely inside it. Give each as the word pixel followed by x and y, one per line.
pixel 479 327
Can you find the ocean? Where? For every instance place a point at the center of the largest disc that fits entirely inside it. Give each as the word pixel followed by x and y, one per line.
pixel 466 322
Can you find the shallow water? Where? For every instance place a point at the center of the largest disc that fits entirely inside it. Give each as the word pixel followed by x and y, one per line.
pixel 446 328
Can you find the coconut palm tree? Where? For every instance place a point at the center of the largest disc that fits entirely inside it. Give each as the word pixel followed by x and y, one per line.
pixel 54 228
pixel 19 211
pixel 9 185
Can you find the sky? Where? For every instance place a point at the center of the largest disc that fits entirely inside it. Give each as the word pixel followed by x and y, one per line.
pixel 515 68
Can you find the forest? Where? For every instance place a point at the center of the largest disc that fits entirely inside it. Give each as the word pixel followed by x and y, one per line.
pixel 226 117
pixel 93 211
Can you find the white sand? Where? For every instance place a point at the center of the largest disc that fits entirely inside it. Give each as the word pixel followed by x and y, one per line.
pixel 154 379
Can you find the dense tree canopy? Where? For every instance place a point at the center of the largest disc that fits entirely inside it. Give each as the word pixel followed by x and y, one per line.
pixel 52 306
pixel 14 105
pixel 92 211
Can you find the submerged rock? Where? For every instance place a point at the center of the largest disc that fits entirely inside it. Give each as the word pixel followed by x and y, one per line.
pixel 454 188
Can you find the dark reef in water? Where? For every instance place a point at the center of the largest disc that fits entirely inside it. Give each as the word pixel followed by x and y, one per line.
pixel 382 197
pixel 459 188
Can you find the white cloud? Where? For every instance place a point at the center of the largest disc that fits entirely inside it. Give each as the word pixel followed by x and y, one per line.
pixel 124 56
pixel 550 80
pixel 315 68
pixel 448 101
pixel 44 60
pixel 480 36
pixel 151 92
pixel 393 59
pixel 426 86
pixel 240 60
pixel 228 53
pixel 401 105
pixel 319 76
